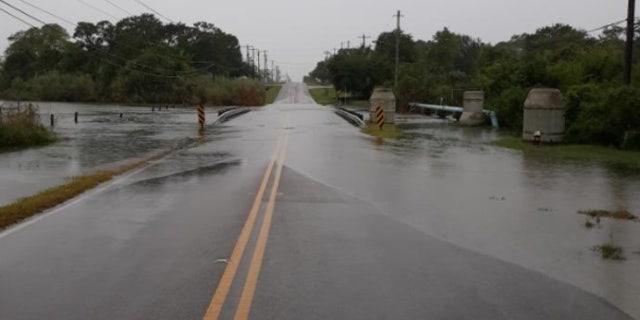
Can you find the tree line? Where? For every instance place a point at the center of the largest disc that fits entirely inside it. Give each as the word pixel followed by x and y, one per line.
pixel 136 60
pixel 587 69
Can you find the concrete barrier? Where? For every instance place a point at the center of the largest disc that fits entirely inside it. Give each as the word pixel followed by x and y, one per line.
pixel 473 105
pixel 385 98
pixel 544 111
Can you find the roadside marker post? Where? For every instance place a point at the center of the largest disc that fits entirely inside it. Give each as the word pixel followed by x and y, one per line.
pixel 380 117
pixel 201 116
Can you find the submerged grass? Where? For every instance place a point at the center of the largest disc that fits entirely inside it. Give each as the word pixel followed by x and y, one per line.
pixel 627 159
pixel 389 131
pixel 610 251
pixel 616 214
pixel 272 93
pixel 47 199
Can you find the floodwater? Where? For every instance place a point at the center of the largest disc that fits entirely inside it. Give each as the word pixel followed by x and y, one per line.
pixel 445 181
pixel 448 182
pixel 101 139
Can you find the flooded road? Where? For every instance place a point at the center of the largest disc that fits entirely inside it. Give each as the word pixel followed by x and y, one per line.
pixel 439 225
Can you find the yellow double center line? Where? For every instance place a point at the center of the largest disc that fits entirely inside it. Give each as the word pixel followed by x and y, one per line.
pixel 246 298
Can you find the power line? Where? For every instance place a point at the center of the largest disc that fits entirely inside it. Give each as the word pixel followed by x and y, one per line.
pixel 17 18
pixel 607 26
pixel 21 11
pixel 153 10
pixel 98 9
pixel 118 7
pixel 157 75
pixel 47 12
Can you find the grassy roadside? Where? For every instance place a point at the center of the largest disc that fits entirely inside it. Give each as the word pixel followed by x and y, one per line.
pixel 389 131
pixel 272 94
pixel 628 159
pixel 47 199
pixel 324 96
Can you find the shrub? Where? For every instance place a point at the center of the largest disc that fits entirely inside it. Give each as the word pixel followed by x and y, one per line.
pixel 509 107
pixel 604 116
pixel 22 128
pixel 246 92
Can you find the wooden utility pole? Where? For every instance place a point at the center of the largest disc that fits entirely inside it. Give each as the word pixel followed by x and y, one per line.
pixel 364 40
pixel 259 70
pixel 628 54
pixel 266 66
pixel 398 16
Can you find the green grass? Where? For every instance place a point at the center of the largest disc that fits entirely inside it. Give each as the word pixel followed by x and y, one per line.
pixel 22 128
pixel 47 199
pixel 629 160
pixel 389 131
pixel 324 96
pixel 272 93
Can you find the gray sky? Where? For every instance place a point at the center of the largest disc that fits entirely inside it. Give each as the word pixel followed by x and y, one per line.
pixel 297 32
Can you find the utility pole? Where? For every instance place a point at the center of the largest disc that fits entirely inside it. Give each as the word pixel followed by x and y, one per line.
pixel 259 70
pixel 628 54
pixel 253 59
pixel 364 40
pixel 266 66
pixel 271 73
pixel 247 47
pixel 398 16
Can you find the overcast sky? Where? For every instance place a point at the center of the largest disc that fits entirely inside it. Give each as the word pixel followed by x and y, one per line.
pixel 297 32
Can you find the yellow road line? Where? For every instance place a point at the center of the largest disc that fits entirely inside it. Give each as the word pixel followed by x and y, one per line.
pixel 215 307
pixel 244 306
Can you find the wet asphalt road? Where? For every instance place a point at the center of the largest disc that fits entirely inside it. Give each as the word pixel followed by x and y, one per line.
pixel 351 237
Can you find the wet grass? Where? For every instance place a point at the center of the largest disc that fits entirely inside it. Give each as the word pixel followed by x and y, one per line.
pixel 21 128
pixel 389 131
pixel 324 96
pixel 623 159
pixel 272 93
pixel 610 251
pixel 47 199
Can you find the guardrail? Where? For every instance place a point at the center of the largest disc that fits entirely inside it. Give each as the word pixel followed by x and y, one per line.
pixel 489 113
pixel 353 117
pixel 227 114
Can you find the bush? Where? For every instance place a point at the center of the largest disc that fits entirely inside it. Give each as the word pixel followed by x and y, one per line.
pixel 246 92
pixel 22 128
pixel 631 140
pixel 509 107
pixel 604 116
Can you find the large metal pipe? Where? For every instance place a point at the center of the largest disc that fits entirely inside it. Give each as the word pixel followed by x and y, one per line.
pixel 490 113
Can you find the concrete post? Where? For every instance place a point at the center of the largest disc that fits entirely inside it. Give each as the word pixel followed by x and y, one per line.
pixel 385 98
pixel 544 115
pixel 473 105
